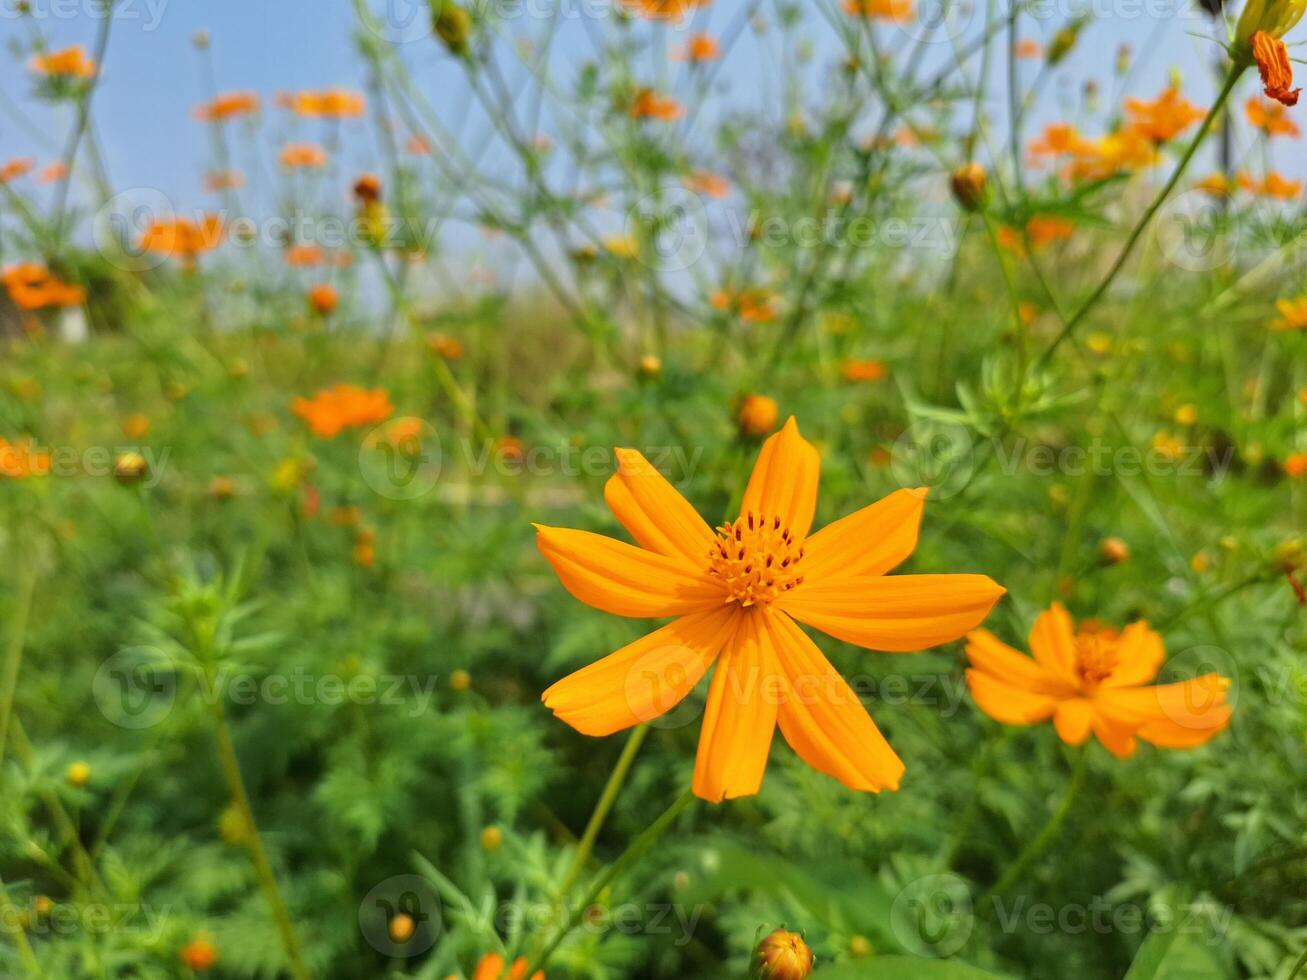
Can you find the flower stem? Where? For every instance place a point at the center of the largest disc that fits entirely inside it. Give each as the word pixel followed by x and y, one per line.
pixel 1040 842
pixel 602 809
pixel 19 937
pixel 14 650
pixel 1232 79
pixel 267 880
pixel 637 849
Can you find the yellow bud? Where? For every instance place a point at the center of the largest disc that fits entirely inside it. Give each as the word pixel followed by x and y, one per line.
pixel 78 774
pixel 492 839
pixel 460 680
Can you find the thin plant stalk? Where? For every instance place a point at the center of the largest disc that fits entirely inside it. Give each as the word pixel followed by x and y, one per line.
pixel 14 649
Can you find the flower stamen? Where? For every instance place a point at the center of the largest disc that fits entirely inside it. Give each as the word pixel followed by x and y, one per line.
pixel 757 558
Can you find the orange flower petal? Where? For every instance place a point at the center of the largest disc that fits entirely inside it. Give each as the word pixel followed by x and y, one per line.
pixel 871 541
pixel 784 480
pixel 1196 706
pixel 990 654
pixel 1053 642
pixel 490 967
pixel 1117 739
pixel 1073 719
pixel 644 679
pixel 625 580
pixel 823 720
pixel 1139 657
pixel 658 517
pixel 1006 703
pixel 740 719
pixel 899 613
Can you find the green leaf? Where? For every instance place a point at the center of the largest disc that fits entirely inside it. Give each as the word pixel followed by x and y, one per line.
pixel 903 968
pixel 1174 955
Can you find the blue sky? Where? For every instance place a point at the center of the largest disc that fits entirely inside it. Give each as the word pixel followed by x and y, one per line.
pixel 154 78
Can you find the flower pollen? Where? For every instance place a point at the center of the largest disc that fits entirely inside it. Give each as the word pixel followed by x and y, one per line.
pixel 757 558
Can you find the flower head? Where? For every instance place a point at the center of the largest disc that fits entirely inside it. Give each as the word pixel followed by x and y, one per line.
pixel 303 156
pixel 32 286
pixel 1275 18
pixel 897 11
pixel 69 63
pixel 782 955
pixel 323 299
pixel 863 370
pixel 737 596
pixel 228 105
pixel 182 238
pixel 648 104
pixel 756 415
pixel 332 103
pixel 701 48
pixel 333 410
pixel 1293 314
pixel 1097 680
pixel 1273 64
pixel 199 954
pixel 1165 118
pixel 662 9
pixel 491 967
pixel 14 169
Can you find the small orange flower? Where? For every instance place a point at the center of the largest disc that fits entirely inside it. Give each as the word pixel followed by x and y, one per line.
pixel 418 146
pixel 1281 188
pixel 368 188
pixel 783 955
pixel 54 173
pixel 491 967
pixel 737 597
pixel 228 105
pixel 1293 314
pixel 1045 230
pixel 332 103
pixel 199 954
pixel 897 11
pixel 1165 118
pixel 648 104
pixel 69 63
pixel 450 348
pixel 1029 49
pixel 304 256
pixel 333 410
pixel 14 169
pixel 1094 679
pixel 323 298
pixel 136 426
pixel 183 238
pixel 865 370
pixel 1058 139
pixel 701 48
pixel 223 180
pixel 1296 465
pixel 20 460
pixel 1216 185
pixel 32 286
pixel 1120 152
pixel 662 9
pixel 756 415
pixel 708 184
pixel 303 156
pixel 1271 118
pixel 753 304
pixel 1272 57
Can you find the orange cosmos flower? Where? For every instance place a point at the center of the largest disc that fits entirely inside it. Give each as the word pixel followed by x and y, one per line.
pixel 708 184
pixel 1094 679
pixel 892 10
pixel 69 63
pixel 1119 152
pixel 332 103
pixel 756 415
pixel 783 955
pixel 491 967
pixel 1029 49
pixel 1279 187
pixel 20 460
pixel 1058 139
pixel 1293 314
pixel 737 597
pixel 418 146
pixel 182 238
pixel 199 954
pixel 753 304
pixel 699 49
pixel 14 169
pixel 228 105
pixel 1045 230
pixel 333 410
pixel 1296 465
pixel 648 104
pixel 865 370
pixel 32 286
pixel 304 256
pixel 303 156
pixel 53 173
pixel 1271 118
pixel 662 9
pixel 1165 118
pixel 223 180
pixel 323 298
pixel 1272 57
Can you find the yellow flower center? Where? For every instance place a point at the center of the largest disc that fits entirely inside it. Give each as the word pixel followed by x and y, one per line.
pixel 757 558
pixel 1096 655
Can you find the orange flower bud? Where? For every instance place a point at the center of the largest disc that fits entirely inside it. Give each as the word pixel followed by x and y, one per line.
pixel 783 956
pixel 969 183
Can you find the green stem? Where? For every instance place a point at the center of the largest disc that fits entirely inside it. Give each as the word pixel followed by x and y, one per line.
pixel 20 939
pixel 1298 967
pixel 602 809
pixel 263 868
pixel 1236 73
pixel 14 651
pixel 637 849
pixel 1040 842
